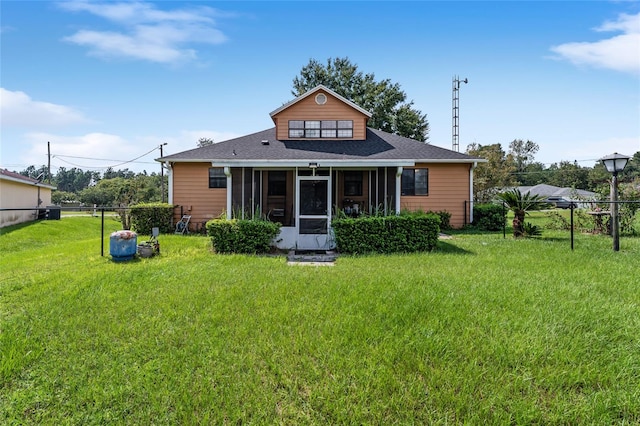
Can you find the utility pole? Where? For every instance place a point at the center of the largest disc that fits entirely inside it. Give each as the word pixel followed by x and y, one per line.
pixel 162 172
pixel 49 162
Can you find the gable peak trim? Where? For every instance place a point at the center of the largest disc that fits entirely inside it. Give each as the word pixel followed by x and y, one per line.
pixel 315 90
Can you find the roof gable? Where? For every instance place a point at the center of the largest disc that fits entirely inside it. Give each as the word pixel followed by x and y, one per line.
pixel 315 90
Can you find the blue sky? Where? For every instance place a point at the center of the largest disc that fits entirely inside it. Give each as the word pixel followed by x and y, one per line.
pixel 108 82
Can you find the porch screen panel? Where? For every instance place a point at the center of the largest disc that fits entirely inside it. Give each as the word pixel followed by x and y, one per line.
pixel 373 193
pixel 247 199
pixel 313 197
pixel 313 226
pixel 391 189
pixel 257 191
pixel 236 190
pixel 381 187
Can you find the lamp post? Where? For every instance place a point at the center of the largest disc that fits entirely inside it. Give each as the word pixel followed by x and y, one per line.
pixel 162 172
pixel 615 163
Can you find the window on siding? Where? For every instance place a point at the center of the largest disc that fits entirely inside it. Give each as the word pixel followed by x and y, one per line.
pixel 296 129
pixel 277 183
pixel 321 129
pixel 415 182
pixel 352 184
pixel 217 178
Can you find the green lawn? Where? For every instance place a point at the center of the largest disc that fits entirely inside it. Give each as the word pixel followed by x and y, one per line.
pixel 484 330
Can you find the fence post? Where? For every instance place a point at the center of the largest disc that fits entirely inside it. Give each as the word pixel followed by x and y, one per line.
pixel 465 212
pixel 504 222
pixel 572 206
pixel 102 235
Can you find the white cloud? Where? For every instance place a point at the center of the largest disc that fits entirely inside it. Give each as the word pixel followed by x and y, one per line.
pixel 147 33
pixel 620 53
pixel 97 151
pixel 89 151
pixel 17 109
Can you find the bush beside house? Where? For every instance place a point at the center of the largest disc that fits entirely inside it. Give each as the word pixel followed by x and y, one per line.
pixel 489 217
pixel 146 216
pixel 387 234
pixel 242 236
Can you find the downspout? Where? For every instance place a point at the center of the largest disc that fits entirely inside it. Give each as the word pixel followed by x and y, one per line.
pixel 170 179
pixel 242 194
pixel 227 173
pixel 398 188
pixel 473 166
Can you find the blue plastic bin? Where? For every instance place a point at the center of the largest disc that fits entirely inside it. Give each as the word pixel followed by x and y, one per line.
pixel 123 245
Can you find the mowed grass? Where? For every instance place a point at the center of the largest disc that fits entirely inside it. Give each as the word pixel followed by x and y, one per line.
pixel 484 330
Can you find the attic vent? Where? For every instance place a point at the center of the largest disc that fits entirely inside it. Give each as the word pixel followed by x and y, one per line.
pixel 321 99
pixel 265 141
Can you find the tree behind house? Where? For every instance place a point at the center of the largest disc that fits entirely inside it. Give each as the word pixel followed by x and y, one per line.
pixel 385 100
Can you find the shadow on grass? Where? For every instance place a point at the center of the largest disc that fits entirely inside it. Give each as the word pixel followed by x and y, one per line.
pixel 445 247
pixel 474 231
pixel 11 228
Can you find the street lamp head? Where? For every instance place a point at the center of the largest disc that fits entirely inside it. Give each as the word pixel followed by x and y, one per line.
pixel 615 163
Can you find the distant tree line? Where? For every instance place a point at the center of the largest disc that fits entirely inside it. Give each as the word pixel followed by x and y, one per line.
pixel 110 188
pixel 516 166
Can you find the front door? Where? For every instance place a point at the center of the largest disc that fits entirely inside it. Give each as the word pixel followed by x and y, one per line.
pixel 313 208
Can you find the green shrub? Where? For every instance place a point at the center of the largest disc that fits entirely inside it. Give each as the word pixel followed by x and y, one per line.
pixel 146 216
pixel 387 234
pixel 556 221
pixel 242 236
pixel 531 230
pixel 489 217
pixel 445 219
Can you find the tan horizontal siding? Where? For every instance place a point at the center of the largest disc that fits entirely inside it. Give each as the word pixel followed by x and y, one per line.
pixel 448 191
pixel 333 109
pixel 191 191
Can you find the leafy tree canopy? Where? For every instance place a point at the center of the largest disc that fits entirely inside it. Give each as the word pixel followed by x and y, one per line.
pixel 523 153
pixel 496 173
pixel 384 99
pixel 205 142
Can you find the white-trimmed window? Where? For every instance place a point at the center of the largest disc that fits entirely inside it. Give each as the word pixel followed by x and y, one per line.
pixel 217 178
pixel 415 182
pixel 314 129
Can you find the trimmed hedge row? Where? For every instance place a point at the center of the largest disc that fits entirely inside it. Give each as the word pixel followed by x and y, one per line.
pixel 242 236
pixel 489 217
pixel 146 216
pixel 387 234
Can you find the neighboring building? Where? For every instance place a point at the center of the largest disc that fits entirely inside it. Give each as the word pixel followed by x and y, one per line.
pixel 561 197
pixel 320 157
pixel 21 192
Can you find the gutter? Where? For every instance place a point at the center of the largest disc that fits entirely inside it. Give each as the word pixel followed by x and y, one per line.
pixel 473 166
pixel 227 173
pixel 325 162
pixel 398 188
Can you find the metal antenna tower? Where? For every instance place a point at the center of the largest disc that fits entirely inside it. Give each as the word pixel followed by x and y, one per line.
pixel 455 144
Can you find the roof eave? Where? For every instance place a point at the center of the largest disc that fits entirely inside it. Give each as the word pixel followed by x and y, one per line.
pixel 26 182
pixel 324 162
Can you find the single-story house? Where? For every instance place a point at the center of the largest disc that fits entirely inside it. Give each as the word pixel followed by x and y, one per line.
pixel 21 192
pixel 560 196
pixel 319 159
pixel 544 190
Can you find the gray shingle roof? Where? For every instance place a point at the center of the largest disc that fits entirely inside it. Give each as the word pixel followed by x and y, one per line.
pixel 545 190
pixel 379 145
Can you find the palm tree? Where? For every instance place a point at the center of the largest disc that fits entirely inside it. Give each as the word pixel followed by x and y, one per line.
pixel 520 204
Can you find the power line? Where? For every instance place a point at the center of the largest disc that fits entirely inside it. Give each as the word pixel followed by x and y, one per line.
pixel 98 159
pixel 120 162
